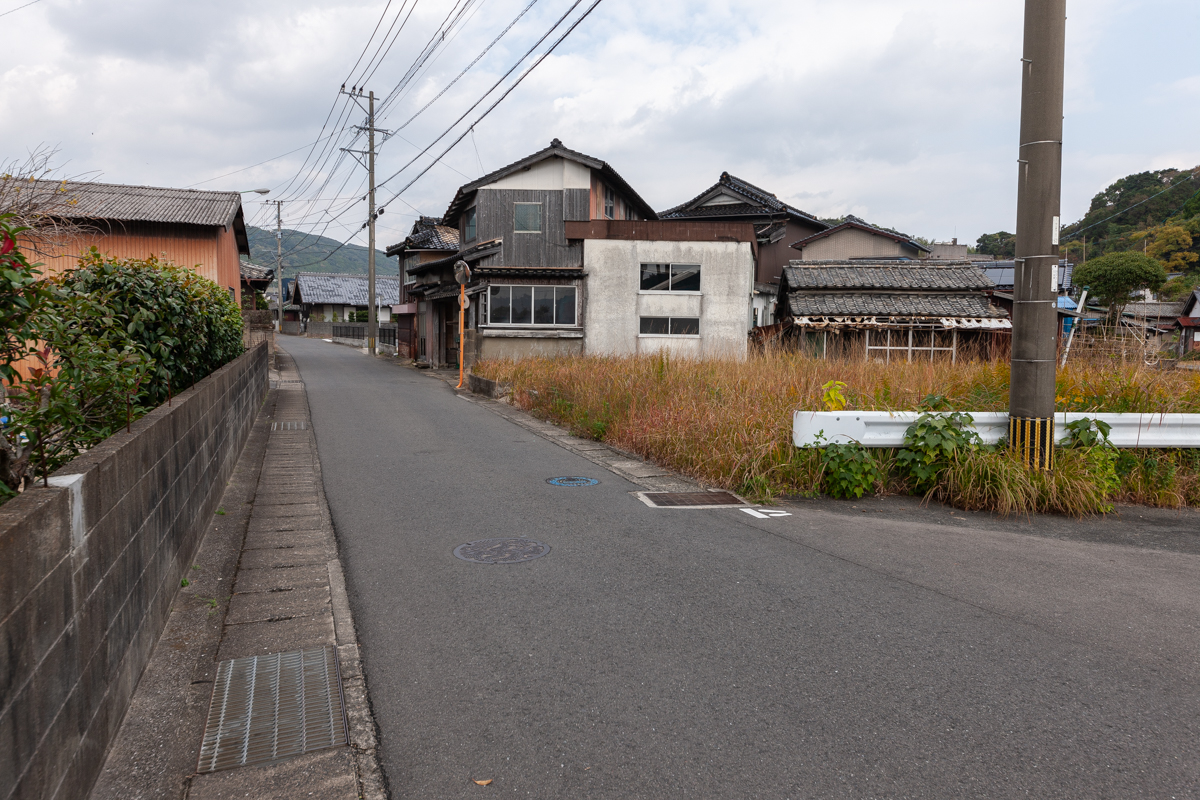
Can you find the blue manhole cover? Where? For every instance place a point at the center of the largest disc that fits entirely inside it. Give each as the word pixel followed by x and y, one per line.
pixel 501 551
pixel 573 481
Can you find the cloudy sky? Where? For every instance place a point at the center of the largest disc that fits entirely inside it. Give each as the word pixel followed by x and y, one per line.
pixel 902 112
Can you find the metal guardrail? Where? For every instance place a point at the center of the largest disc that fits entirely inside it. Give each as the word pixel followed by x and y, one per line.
pixel 886 428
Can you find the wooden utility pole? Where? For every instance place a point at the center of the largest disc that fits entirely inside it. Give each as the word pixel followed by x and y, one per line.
pixel 1039 184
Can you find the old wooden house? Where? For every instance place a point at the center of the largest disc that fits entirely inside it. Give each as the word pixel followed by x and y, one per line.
pixel 888 310
pixel 776 224
pixel 855 239
pixel 201 230
pixel 1188 325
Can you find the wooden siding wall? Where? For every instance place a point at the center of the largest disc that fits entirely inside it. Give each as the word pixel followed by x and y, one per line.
pixel 576 205
pixel 211 252
pixel 621 209
pixel 853 243
pixel 495 219
pixel 775 256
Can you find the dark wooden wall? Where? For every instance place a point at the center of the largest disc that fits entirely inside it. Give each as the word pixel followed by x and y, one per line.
pixel 495 219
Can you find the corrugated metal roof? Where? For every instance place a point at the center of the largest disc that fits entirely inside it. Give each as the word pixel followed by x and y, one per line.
pixel 348 290
pixel 111 201
pixel 891 305
pixel 1143 309
pixel 884 275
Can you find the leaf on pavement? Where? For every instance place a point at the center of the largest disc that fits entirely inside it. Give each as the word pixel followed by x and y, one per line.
pixel 484 783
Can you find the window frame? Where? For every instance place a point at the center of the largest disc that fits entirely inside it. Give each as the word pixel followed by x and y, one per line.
pixel 670 290
pixel 556 287
pixel 537 203
pixel 470 224
pixel 610 203
pixel 668 334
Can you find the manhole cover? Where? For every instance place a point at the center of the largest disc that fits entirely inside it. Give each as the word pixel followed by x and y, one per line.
pixel 691 499
pixel 501 551
pixel 266 708
pixel 574 481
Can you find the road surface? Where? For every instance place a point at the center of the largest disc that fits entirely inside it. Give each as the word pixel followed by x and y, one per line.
pixel 658 653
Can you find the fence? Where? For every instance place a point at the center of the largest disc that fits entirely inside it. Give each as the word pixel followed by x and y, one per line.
pixel 90 567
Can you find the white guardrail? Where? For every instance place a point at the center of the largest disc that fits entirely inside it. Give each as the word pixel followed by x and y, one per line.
pixel 886 428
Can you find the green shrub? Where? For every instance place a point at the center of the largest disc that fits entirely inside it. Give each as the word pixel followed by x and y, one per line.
pixel 932 443
pixel 849 470
pixel 186 323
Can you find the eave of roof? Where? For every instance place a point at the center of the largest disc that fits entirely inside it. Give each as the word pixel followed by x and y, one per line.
pixel 473 252
pixel 799 245
pixel 556 149
pixel 767 202
pixel 809 276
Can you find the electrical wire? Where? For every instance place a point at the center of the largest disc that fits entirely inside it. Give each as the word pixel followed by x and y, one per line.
pixel 1073 234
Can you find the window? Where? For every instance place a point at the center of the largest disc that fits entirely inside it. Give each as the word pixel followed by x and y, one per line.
pixel 670 278
pixel 527 217
pixel 531 305
pixel 670 326
pixel 610 203
pixel 469 224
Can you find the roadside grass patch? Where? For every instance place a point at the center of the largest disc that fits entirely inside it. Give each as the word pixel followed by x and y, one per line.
pixel 729 423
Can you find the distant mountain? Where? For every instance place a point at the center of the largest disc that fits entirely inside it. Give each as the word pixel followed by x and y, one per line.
pixel 303 252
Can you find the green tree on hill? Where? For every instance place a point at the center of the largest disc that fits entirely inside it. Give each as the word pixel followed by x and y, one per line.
pixel 1113 278
pixel 1002 245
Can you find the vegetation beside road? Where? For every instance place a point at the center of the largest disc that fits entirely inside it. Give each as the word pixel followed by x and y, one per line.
pixel 729 423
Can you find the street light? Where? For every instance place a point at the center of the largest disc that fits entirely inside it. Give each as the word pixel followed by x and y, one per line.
pixel 255 191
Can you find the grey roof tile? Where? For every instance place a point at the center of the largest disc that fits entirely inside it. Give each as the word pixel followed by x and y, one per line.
pixel 350 290
pixel 891 305
pixel 884 275
pixel 110 201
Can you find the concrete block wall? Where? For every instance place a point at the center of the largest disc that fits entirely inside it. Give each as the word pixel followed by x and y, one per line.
pixel 88 571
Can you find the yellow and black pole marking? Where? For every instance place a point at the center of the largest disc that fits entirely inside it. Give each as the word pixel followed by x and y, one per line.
pixel 1033 440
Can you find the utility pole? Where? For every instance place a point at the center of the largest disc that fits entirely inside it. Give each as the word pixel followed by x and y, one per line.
pixel 1039 185
pixel 279 262
pixel 372 310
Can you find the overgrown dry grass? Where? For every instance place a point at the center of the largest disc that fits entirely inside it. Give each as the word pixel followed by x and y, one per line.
pixel 728 422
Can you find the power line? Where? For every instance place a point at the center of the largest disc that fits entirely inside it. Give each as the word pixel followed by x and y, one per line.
pixel 500 99
pixel 1191 177
pixel 18 8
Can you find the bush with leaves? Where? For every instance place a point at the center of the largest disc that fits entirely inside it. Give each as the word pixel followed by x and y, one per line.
pixel 182 320
pixel 22 295
pixel 932 444
pixel 849 470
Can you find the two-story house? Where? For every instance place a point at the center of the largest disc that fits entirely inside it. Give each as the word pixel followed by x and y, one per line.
pixel 566 258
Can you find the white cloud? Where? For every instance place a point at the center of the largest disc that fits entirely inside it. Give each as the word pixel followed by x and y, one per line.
pixel 905 113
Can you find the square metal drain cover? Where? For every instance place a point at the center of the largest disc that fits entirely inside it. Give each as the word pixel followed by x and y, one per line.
pixel 267 708
pixel 691 499
pixel 293 425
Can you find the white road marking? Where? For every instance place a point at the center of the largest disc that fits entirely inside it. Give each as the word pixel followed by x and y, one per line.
pixel 766 513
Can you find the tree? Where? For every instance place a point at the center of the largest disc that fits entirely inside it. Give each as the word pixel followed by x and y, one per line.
pixel 1002 245
pixel 1113 278
pixel 1179 288
pixel 1171 245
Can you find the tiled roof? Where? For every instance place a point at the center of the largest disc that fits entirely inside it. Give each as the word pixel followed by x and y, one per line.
pixel 759 201
pixel 254 272
pixel 110 201
pixel 862 225
pixel 941 276
pixel 851 304
pixel 1154 309
pixel 349 290
pixel 428 233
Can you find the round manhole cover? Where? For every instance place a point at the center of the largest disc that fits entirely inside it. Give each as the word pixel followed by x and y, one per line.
pixel 501 551
pixel 572 481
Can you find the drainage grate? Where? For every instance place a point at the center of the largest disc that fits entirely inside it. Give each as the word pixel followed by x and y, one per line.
pixel 267 708
pixel 691 499
pixel 295 425
pixel 574 481
pixel 501 551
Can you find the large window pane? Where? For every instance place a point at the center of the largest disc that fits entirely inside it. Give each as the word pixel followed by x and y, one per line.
pixel 685 326
pixel 656 277
pixel 658 325
pixel 685 277
pixel 527 217
pixel 522 305
pixel 499 311
pixel 564 313
pixel 543 305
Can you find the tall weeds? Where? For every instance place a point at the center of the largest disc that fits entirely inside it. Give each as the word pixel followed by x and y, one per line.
pixel 729 422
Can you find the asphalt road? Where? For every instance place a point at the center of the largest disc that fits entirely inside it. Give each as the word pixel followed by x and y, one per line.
pixel 710 654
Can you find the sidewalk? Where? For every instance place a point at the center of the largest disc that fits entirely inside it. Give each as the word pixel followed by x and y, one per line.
pixel 275 546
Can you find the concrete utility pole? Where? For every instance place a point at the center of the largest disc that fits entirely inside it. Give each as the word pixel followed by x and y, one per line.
pixel 279 263
pixel 1039 184
pixel 372 310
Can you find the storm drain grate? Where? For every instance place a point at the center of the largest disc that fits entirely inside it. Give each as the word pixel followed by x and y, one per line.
pixel 572 481
pixel 267 708
pixel 295 425
pixel 691 499
pixel 501 551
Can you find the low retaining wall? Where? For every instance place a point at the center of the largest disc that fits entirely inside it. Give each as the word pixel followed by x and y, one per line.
pixel 89 569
